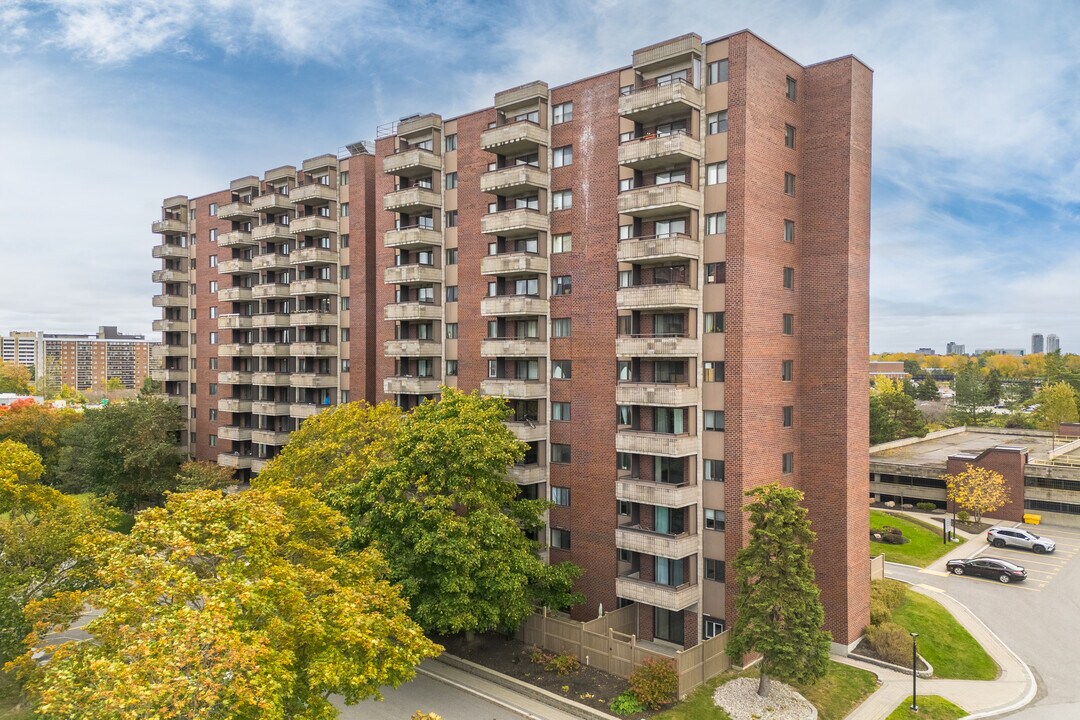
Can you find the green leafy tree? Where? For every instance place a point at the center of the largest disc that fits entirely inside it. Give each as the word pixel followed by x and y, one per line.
pixel 882 429
pixel 993 386
pixel 778 610
pixel 909 388
pixel 150 386
pixel 40 428
pixel 14 378
pixel 928 389
pixel 202 475
pixel 1057 404
pixel 901 417
pixel 126 450
pixel 970 388
pixel 914 368
pixel 238 606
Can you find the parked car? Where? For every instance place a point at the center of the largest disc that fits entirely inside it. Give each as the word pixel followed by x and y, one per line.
pixel 988 567
pixel 1000 537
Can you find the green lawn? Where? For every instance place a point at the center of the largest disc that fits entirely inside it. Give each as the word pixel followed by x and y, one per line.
pixel 9 696
pixel 943 641
pixel 925 546
pixel 931 707
pixel 835 695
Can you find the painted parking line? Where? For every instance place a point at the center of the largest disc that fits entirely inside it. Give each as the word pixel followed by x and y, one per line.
pixel 1029 559
pixel 1016 586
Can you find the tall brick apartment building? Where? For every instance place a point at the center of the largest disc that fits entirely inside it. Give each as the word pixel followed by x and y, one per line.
pixel 663 267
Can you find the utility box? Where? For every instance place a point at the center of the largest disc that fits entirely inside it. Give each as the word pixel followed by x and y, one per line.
pixel 1030 519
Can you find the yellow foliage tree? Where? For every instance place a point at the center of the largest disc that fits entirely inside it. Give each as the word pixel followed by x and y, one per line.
pixel 977 490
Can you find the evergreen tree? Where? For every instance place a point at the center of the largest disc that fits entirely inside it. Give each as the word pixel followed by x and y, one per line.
pixel 928 389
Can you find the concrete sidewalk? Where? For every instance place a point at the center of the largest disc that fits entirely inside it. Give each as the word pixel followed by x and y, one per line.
pixel 1014 687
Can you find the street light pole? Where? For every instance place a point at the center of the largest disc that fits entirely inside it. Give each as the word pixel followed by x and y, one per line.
pixel 914 674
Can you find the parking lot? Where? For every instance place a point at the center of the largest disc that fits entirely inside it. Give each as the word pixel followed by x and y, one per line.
pixel 1041 569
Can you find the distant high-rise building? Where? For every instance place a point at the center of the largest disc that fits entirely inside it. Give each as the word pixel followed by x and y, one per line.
pixel 1053 343
pixel 1018 352
pixel 81 361
pixel 19 347
pixel 1037 343
pixel 952 348
pixel 926 351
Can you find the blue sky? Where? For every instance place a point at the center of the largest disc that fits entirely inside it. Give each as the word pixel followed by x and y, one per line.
pixel 111 105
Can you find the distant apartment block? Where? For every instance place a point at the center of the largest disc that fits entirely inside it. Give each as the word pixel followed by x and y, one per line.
pixel 952 348
pixel 926 351
pixel 1018 352
pixel 21 348
pixel 1037 345
pixel 1053 343
pixel 82 361
pixel 662 267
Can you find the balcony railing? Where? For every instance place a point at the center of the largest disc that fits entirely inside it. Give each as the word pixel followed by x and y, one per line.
pixel 167 325
pixel 662 596
pixel 658 200
pixel 271 202
pixel 658 248
pixel 234 294
pixel 513 264
pixel 657 297
pixel 527 474
pixel 267 291
pixel 657 394
pixel 236 210
pixel 169 226
pixel 518 222
pixel 412 275
pixel 412 311
pixel 642 442
pixel 271 349
pixel 657 493
pixel 647 103
pixel 271 408
pixel 313 193
pixel 513 347
pixel 513 177
pixel 314 380
pixel 170 301
pixel 235 461
pixel 513 137
pixel 412 347
pixel 234 267
pixel 411 386
pixel 657 346
pixel 234 377
pixel 528 431
pixel 270 379
pixel 271 231
pixel 234 350
pixel 513 388
pixel 165 276
pixel 412 200
pixel 513 305
pixel 413 237
pixel 652 151
pixel 313 286
pixel 650 542
pixel 313 349
pixel 276 438
pixel 313 224
pixel 236 238
pixel 412 162
pixel 313 318
pixel 313 256
pixel 169 250
pixel 270 261
pixel 234 322
pixel 234 405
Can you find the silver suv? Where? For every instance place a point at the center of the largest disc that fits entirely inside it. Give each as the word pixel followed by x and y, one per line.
pixel 1000 537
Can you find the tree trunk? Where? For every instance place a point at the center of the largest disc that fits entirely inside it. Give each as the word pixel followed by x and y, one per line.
pixel 763 686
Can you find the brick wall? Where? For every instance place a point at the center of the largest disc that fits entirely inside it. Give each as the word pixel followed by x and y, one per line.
pixel 363 278
pixel 1010 464
pixel 201 250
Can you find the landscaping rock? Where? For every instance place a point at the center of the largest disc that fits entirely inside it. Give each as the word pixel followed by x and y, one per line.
pixel 739 699
pixel 890 503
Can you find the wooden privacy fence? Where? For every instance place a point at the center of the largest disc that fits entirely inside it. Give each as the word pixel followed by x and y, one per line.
pixel 608 643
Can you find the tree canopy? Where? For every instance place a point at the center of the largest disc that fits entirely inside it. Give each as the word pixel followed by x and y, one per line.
pixel 893 414
pixel 971 394
pixel 977 490
pixel 1057 404
pixel 14 378
pixel 40 428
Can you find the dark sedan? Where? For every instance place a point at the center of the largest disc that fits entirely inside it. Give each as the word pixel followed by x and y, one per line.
pixel 988 567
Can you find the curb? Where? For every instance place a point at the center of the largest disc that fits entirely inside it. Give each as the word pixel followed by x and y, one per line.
pixel 568 706
pixel 924 674
pixel 473 691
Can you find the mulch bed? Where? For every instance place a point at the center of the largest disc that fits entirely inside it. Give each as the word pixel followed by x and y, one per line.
pixel 587 685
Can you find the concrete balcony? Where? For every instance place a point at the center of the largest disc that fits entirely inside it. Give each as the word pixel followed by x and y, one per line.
pixel 313 256
pixel 411 386
pixel 651 443
pixel 271 349
pixel 412 238
pixel 313 286
pixel 527 474
pixel 234 322
pixel 236 238
pixel 657 297
pixel 174 350
pixel 271 203
pixel 313 318
pixel 165 276
pixel 234 294
pixel 412 200
pixel 513 347
pixel 270 407
pixel 414 162
pixel 657 346
pixel 234 405
pixel 313 380
pixel 412 275
pixel 660 394
pixel 650 152
pixel 276 438
pixel 234 350
pixel 663 545
pixel 270 379
pixel 234 267
pixel 528 94
pixel 666 52
pixel 418 124
pixel 279 291
pixel 528 431
pixel 313 225
pixel 513 264
pixel 258 465
pixel 313 194
pixel 171 325
pixel 662 596
pixel 234 377
pixel 169 226
pixel 169 375
pixel 236 210
pixel 651 103
pixel 271 231
pixel 301 411
pixel 658 249
pixel 658 200
pixel 514 389
pixel 237 462
pixel 168 250
pixel 412 311
pixel 171 301
pixel 270 261
pixel 514 177
pixel 313 349
pixel 520 222
pixel 513 305
pixel 513 138
pixel 657 493
pixel 412 347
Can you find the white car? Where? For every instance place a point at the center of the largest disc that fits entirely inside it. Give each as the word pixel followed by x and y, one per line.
pixel 1001 537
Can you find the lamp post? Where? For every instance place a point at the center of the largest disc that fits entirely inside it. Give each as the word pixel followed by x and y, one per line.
pixel 914 668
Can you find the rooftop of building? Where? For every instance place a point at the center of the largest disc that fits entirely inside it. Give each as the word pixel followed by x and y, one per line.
pixel 935 449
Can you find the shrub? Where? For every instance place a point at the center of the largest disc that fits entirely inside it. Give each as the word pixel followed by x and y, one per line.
pixel 963 516
pixel 891 642
pixel 879 612
pixel 890 592
pixel 654 683
pixel 626 704
pixel 562 664
pixel 539 657
pixel 928 506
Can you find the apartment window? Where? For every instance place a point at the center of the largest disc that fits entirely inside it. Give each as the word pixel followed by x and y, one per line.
pixel 451 143
pixel 714 322
pixel 717 72
pixel 716 173
pixel 716 223
pixel 451 256
pixel 626 89
pixel 789 231
pixel 451 368
pixel 787 370
pixel 560 539
pixel 787 463
pixel 344 333
pixel 714 519
pixel 213 312
pixel 451 331
pixel 560 285
pixel 345 365
pixel 193 263
pixel 626 184
pixel 193 389
pixel 213 261
pixel 792 89
pixel 713 370
pixel 560 453
pixel 213 338
pixel 212 210
pixel 344 272
pixel 343 397
pixel 211 440
pixel 560 369
pixel 715 272
pixel 626 278
pixel 562 200
pixel 789 136
pixel 716 122
pixel 343 178
pixel 789 324
pixel 711 627
pixel 212 363
pixel 344 241
pixel 344 209
pixel 789 184
pixel 789 278
pixel 560 243
pixel 194 413
pixel 560 411
pixel 345 303
pixel 451 293
pixel 191 437
pixel 213 286
pixel 213 235
pixel 451 180
pixel 560 327
pixel 714 420
pixel 563 112
pixel 714 570
pixel 213 388
pixel 788 416
pixel 562 156
pixel 714 470
pixel 213 413
pixel 560 496
pixel 451 218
